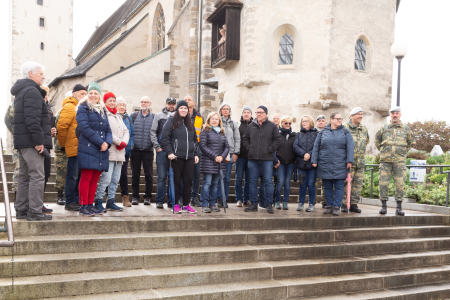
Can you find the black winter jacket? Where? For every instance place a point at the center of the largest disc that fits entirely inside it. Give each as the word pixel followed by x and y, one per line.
pixel 261 141
pixel 304 143
pixel 31 121
pixel 213 144
pixel 179 140
pixel 285 152
pixel 243 153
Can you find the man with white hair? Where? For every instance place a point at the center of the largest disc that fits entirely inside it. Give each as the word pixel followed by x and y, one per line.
pixel 142 153
pixel 32 138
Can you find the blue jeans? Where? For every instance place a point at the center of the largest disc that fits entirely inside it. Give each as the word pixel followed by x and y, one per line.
pixel 72 180
pixel 209 189
pixel 284 175
pixel 226 182
pixel 241 168
pixel 267 183
pixel 334 198
pixel 309 182
pixel 162 169
pixel 109 180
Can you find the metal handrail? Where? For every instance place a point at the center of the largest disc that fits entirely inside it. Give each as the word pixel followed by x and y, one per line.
pixel 412 166
pixel 8 219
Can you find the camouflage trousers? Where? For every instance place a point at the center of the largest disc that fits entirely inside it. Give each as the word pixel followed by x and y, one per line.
pixel 16 163
pixel 384 176
pixel 61 170
pixel 357 174
pixel 319 187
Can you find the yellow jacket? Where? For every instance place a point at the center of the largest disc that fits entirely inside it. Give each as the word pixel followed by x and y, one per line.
pixel 66 127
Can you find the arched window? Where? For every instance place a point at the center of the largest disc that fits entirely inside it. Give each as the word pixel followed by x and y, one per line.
pixel 360 55
pixel 286 50
pixel 159 30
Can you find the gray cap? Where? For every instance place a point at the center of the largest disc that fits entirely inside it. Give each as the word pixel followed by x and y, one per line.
pixel 321 117
pixel 355 111
pixel 247 108
pixel 395 109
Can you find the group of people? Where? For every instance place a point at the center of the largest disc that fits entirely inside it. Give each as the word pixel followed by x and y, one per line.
pixel 95 139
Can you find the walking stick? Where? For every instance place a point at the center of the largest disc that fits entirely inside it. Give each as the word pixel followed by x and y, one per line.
pixel 224 200
pixel 171 187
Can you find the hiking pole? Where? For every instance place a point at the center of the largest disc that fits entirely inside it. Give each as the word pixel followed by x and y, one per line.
pixel 224 200
pixel 171 187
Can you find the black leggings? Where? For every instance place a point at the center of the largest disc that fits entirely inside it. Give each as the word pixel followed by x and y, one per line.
pixel 183 168
pixel 124 177
pixel 47 168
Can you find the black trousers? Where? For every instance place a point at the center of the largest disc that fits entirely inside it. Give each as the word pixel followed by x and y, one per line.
pixel 124 177
pixel 183 168
pixel 144 158
pixel 47 168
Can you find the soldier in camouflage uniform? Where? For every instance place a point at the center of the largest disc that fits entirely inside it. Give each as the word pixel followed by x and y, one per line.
pixel 61 168
pixel 394 141
pixel 321 123
pixel 9 122
pixel 361 139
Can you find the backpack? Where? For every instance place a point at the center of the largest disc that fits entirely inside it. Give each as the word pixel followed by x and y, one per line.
pixel 134 116
pixel 9 117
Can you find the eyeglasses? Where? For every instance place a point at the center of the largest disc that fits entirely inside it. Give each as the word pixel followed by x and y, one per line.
pixel 146 102
pixel 339 119
pixel 287 123
pixel 260 112
pixel 304 122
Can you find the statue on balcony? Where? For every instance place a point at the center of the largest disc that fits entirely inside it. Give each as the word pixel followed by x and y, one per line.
pixel 223 32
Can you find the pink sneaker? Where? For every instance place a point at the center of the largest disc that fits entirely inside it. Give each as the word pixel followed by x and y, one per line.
pixel 189 209
pixel 177 209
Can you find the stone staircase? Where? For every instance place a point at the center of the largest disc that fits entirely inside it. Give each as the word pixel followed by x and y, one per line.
pixel 148 253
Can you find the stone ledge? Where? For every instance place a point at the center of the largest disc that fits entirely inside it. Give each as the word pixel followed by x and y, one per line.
pixel 411 206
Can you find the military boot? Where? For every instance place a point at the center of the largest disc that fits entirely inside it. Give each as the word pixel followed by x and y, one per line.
pixel 354 208
pixel 399 211
pixel 383 210
pixel 344 208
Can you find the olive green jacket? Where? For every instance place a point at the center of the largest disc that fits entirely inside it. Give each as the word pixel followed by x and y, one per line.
pixel 361 140
pixel 394 142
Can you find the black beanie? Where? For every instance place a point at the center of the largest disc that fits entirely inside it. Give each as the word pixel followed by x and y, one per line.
pixel 263 108
pixel 182 103
pixel 79 87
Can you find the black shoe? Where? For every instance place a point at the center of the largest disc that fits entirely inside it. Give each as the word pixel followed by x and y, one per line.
pixel 146 201
pixel 38 217
pixel 195 202
pixel 169 204
pixel 21 215
pixel 344 209
pixel 324 205
pixel 134 201
pixel 354 208
pixel 383 210
pixel 269 208
pixel 251 207
pixel 60 200
pixel 329 210
pixel 72 206
pixel 220 203
pixel 399 211
pixel 159 205
pixel 336 211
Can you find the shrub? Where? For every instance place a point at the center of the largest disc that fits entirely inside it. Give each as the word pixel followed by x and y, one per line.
pixel 430 133
pixel 435 160
pixel 419 155
pixel 437 178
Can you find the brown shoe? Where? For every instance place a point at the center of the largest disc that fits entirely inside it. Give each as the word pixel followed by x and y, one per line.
pixel 126 201
pixel 246 204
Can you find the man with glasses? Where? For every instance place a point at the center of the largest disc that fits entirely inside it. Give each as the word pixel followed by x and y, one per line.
pixel 360 136
pixel 261 139
pixel 161 159
pixel 394 141
pixel 142 153
pixel 321 123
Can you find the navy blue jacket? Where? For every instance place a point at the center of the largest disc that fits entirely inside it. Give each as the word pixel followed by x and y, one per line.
pixel 129 124
pixel 213 144
pixel 304 143
pixel 94 131
pixel 333 149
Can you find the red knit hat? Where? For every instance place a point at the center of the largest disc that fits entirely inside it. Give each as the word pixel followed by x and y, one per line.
pixel 108 95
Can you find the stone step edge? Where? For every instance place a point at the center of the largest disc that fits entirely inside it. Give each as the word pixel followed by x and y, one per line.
pixel 290 286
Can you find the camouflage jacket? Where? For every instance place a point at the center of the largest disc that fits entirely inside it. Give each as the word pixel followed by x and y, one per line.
pixel 56 145
pixel 394 142
pixel 9 118
pixel 361 140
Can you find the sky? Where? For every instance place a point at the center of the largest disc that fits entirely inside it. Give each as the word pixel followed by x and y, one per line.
pixel 422 24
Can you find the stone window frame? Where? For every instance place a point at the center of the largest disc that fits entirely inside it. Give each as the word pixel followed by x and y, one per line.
pixel 42 21
pixel 276 36
pixel 369 54
pixel 42 46
pixel 155 29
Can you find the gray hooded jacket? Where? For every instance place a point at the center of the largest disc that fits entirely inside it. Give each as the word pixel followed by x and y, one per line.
pixel 231 131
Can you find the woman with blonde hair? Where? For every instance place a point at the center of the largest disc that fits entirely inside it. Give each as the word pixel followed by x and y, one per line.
pixel 214 146
pixel 94 139
pixel 286 162
pixel 303 148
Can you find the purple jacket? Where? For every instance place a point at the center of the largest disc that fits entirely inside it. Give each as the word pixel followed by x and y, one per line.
pixel 213 144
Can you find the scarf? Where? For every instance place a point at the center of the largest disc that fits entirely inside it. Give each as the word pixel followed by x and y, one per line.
pixel 216 129
pixel 113 111
pixel 285 132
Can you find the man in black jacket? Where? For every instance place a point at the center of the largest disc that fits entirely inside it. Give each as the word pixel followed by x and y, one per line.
pixel 261 139
pixel 32 135
pixel 243 198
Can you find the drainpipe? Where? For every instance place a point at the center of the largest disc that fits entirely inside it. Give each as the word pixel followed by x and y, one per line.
pixel 200 33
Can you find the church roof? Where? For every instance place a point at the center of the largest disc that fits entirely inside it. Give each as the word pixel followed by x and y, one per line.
pixel 111 25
